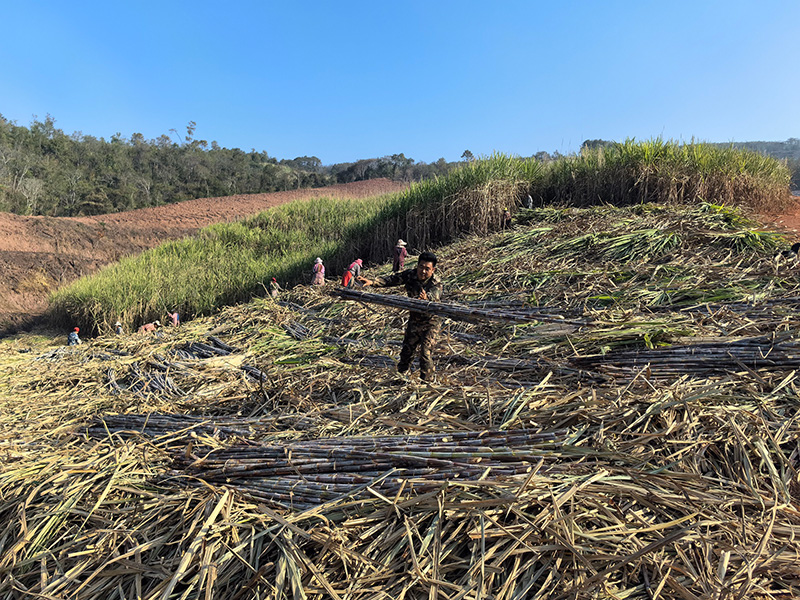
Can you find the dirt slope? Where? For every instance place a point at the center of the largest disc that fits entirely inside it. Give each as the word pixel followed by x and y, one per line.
pixel 788 220
pixel 38 254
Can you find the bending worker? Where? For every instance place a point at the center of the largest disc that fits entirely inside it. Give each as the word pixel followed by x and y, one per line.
pixel 73 339
pixel 421 329
pixel 150 327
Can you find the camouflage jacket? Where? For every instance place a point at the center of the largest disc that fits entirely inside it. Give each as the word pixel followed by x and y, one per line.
pixel 414 286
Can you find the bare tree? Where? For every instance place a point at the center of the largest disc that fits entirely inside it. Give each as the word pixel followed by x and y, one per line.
pixel 31 189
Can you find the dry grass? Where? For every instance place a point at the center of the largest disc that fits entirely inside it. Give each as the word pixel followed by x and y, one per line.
pixel 544 463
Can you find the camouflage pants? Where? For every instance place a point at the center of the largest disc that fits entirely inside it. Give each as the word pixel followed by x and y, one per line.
pixel 422 335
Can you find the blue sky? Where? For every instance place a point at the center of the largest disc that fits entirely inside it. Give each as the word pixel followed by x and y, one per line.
pixel 347 80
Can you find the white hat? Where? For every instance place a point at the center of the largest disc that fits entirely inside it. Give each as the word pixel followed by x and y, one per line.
pixel 318 260
pixel 117 324
pixel 157 323
pixel 401 242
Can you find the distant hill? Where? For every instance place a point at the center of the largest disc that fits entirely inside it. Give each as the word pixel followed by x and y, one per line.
pixel 790 149
pixel 44 171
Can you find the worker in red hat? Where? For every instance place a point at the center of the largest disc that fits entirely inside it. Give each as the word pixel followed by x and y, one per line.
pixel 352 273
pixel 73 339
pixel 274 288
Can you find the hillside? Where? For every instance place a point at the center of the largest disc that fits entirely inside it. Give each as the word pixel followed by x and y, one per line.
pixel 618 419
pixel 230 263
pixel 38 254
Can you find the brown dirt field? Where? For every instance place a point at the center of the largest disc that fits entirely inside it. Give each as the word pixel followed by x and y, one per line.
pixel 39 254
pixel 788 220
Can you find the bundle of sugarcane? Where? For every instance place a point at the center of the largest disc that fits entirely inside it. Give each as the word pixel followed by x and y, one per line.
pixel 156 425
pixel 202 350
pixel 198 350
pixel 701 359
pixel 297 330
pixel 313 471
pixel 144 382
pixel 451 311
pixel 177 430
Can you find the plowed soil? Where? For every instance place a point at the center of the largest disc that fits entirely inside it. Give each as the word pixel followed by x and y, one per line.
pixel 39 254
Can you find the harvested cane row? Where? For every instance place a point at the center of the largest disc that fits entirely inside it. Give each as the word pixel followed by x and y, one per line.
pixel 702 360
pixel 302 474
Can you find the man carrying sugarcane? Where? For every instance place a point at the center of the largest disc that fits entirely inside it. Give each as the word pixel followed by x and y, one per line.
pixel 421 329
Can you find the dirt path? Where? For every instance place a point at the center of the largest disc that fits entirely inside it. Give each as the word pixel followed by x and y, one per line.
pixel 788 220
pixel 39 254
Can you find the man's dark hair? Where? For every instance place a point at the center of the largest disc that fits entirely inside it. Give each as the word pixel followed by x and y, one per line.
pixel 428 257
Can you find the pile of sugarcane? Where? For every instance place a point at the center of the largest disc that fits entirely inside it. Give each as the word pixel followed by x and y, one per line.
pixel 701 359
pixel 155 380
pixel 142 382
pixel 177 427
pixel 310 472
pixel 297 330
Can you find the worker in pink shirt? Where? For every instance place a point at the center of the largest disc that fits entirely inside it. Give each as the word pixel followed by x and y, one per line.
pixel 400 253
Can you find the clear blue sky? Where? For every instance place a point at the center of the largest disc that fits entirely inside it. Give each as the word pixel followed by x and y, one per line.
pixel 344 80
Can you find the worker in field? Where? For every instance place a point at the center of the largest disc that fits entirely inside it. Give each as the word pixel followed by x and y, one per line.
pixel 174 318
pixel 150 327
pixel 274 288
pixel 352 274
pixel 73 339
pixel 118 328
pixel 422 329
pixel 318 272
pixel 400 254
pixel 506 218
